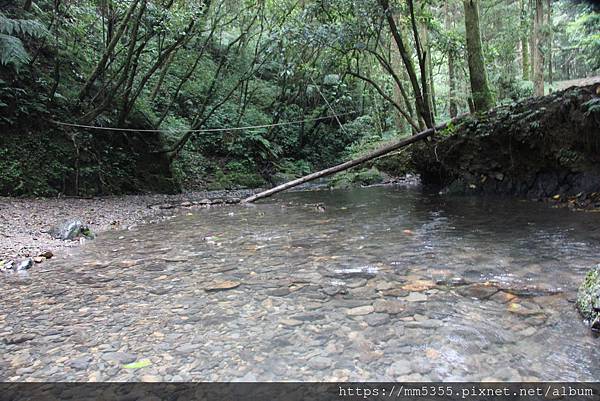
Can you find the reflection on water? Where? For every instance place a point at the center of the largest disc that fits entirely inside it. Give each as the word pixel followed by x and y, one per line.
pixel 385 284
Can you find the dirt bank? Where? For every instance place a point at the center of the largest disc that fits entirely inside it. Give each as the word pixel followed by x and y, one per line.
pixel 540 148
pixel 25 223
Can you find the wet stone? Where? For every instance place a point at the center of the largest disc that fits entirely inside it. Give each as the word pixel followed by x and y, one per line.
pixel 333 290
pixel 391 307
pixel 186 349
pixel 424 324
pixel 290 322
pixel 395 292
pixel 416 297
pixel 221 286
pixel 18 338
pixel 81 363
pixel 399 368
pixel 360 311
pixel 119 357
pixel 478 291
pixel 280 292
pixel 320 363
pixel 377 319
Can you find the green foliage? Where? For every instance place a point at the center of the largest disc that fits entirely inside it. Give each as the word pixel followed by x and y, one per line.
pixel 12 50
pixel 263 64
pixel 511 89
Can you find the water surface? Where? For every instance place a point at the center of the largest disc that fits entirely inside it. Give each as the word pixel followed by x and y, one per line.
pixel 367 284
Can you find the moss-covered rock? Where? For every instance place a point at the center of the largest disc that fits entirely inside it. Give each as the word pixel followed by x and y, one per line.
pixel 349 179
pixel 369 177
pixel 588 298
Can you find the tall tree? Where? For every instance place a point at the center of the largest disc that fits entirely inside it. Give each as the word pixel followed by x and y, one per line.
pixel 538 51
pixel 421 97
pixel 449 25
pixel 524 40
pixel 549 41
pixel 480 90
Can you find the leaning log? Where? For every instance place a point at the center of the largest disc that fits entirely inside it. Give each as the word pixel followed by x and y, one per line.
pixel 351 163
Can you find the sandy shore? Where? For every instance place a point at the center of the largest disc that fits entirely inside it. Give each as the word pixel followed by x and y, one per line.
pixel 25 223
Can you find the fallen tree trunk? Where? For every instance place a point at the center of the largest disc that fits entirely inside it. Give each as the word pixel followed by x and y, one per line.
pixel 351 163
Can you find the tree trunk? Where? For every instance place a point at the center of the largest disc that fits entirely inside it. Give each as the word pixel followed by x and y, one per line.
pixel 549 42
pixel 480 91
pixel 524 41
pixel 538 53
pixel 422 59
pixel 27 5
pixel 349 164
pixel 420 102
pixel 428 63
pixel 396 65
pixel 449 24
pixel 108 52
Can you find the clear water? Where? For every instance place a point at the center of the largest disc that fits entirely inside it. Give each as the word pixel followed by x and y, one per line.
pixel 384 284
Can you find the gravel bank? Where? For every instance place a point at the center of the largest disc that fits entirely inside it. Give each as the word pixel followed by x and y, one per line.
pixel 25 222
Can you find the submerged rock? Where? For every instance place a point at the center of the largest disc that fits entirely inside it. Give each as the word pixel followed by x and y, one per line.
pixel 71 230
pixel 6 265
pixel 588 298
pixel 25 264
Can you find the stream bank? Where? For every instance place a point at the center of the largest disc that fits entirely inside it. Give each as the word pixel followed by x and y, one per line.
pixel 545 148
pixel 26 223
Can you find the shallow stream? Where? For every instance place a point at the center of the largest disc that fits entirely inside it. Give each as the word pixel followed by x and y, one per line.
pixel 367 284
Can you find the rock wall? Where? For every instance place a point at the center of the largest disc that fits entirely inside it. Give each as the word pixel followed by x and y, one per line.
pixel 539 148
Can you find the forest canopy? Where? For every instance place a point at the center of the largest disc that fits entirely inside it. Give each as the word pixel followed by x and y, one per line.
pixel 312 82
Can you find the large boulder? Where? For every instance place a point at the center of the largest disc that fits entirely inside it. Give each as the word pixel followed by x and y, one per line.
pixel 72 230
pixel 588 298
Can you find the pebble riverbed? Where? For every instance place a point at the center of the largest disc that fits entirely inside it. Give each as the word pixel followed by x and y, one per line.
pixel 367 284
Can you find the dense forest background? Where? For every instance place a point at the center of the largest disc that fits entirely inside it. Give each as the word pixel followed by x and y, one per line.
pixel 317 82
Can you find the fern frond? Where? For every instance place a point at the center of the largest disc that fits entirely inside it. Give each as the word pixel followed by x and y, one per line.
pixel 27 27
pixel 12 51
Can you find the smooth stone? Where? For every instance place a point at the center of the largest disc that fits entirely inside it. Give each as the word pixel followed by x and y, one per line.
pixel 356 283
pixel 416 297
pixel 424 324
pixel 119 357
pixel 222 286
pixel 18 338
pixel 391 307
pixel 385 285
pixel 151 379
pixel 377 319
pixel 290 322
pixel 186 349
pixel 395 292
pixel 528 331
pixel 25 264
pixel 80 363
pixel 524 309
pixel 280 292
pixel 360 311
pixel 333 290
pixel 399 368
pixel 320 362
pixel 478 291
